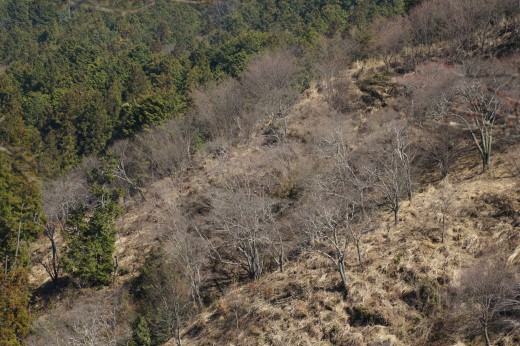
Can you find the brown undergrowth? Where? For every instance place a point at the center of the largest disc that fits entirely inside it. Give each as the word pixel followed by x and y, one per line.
pixel 398 296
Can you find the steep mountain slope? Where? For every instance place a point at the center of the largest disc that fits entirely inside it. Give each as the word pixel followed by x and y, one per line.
pixel 402 292
pixel 398 294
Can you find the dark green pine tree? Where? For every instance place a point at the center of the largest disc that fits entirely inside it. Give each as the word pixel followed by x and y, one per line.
pixel 141 334
pixel 19 224
pixel 20 216
pixel 91 242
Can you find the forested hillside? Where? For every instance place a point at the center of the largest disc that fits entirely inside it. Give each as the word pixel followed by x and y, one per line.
pixel 191 172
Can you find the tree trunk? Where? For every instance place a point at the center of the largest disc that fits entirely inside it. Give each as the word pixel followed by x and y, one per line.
pixel 55 263
pixel 178 329
pixel 486 334
pixel 195 290
pixel 343 274
pixel 485 161
pixel 396 215
pixel 409 184
pixel 443 227
pixel 358 252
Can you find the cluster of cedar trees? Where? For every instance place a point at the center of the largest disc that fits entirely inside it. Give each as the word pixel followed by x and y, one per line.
pixel 79 80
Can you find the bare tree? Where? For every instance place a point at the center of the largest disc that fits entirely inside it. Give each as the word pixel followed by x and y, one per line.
pixel 442 147
pixel 244 215
pixel 424 90
pixel 478 104
pixel 403 148
pixel 187 251
pixel 337 214
pixel 479 112
pixel 124 167
pixel 466 23
pixel 172 298
pixel 477 97
pixel 445 205
pixel 219 109
pixel 514 161
pixel 487 299
pixel 265 93
pixel 349 178
pixel 270 88
pixel 476 22
pixel 327 227
pixel 335 85
pixel 333 225
pixel 390 38
pixel 59 198
pixel 358 225
pixel 391 181
pixel 391 167
pixel 96 319
pixel 164 289
pixel 351 183
pixel 426 22
pixel 164 149
pixel 276 245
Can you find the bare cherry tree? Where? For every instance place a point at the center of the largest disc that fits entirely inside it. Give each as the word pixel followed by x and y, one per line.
pixel 166 290
pixel 333 226
pixel 270 85
pixel 172 298
pixel 338 211
pixel 219 109
pixel 358 225
pixel 351 183
pixel 187 251
pixel 403 144
pixel 478 103
pixel 442 146
pixel 96 319
pixel 514 161
pixel 426 20
pixel 327 227
pixel 244 215
pixel 160 151
pixel 487 300
pixel 276 239
pixel 338 88
pixel 445 205
pixel 424 90
pixel 478 23
pixel 478 111
pixel 391 165
pixel 124 166
pixel 391 181
pixel 390 37
pixel 59 198
pixel 265 94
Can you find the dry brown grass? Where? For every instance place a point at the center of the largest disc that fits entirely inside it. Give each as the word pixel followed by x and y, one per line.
pixel 394 299
pixel 402 283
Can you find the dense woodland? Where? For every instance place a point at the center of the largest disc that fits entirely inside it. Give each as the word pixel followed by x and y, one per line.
pixel 100 100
